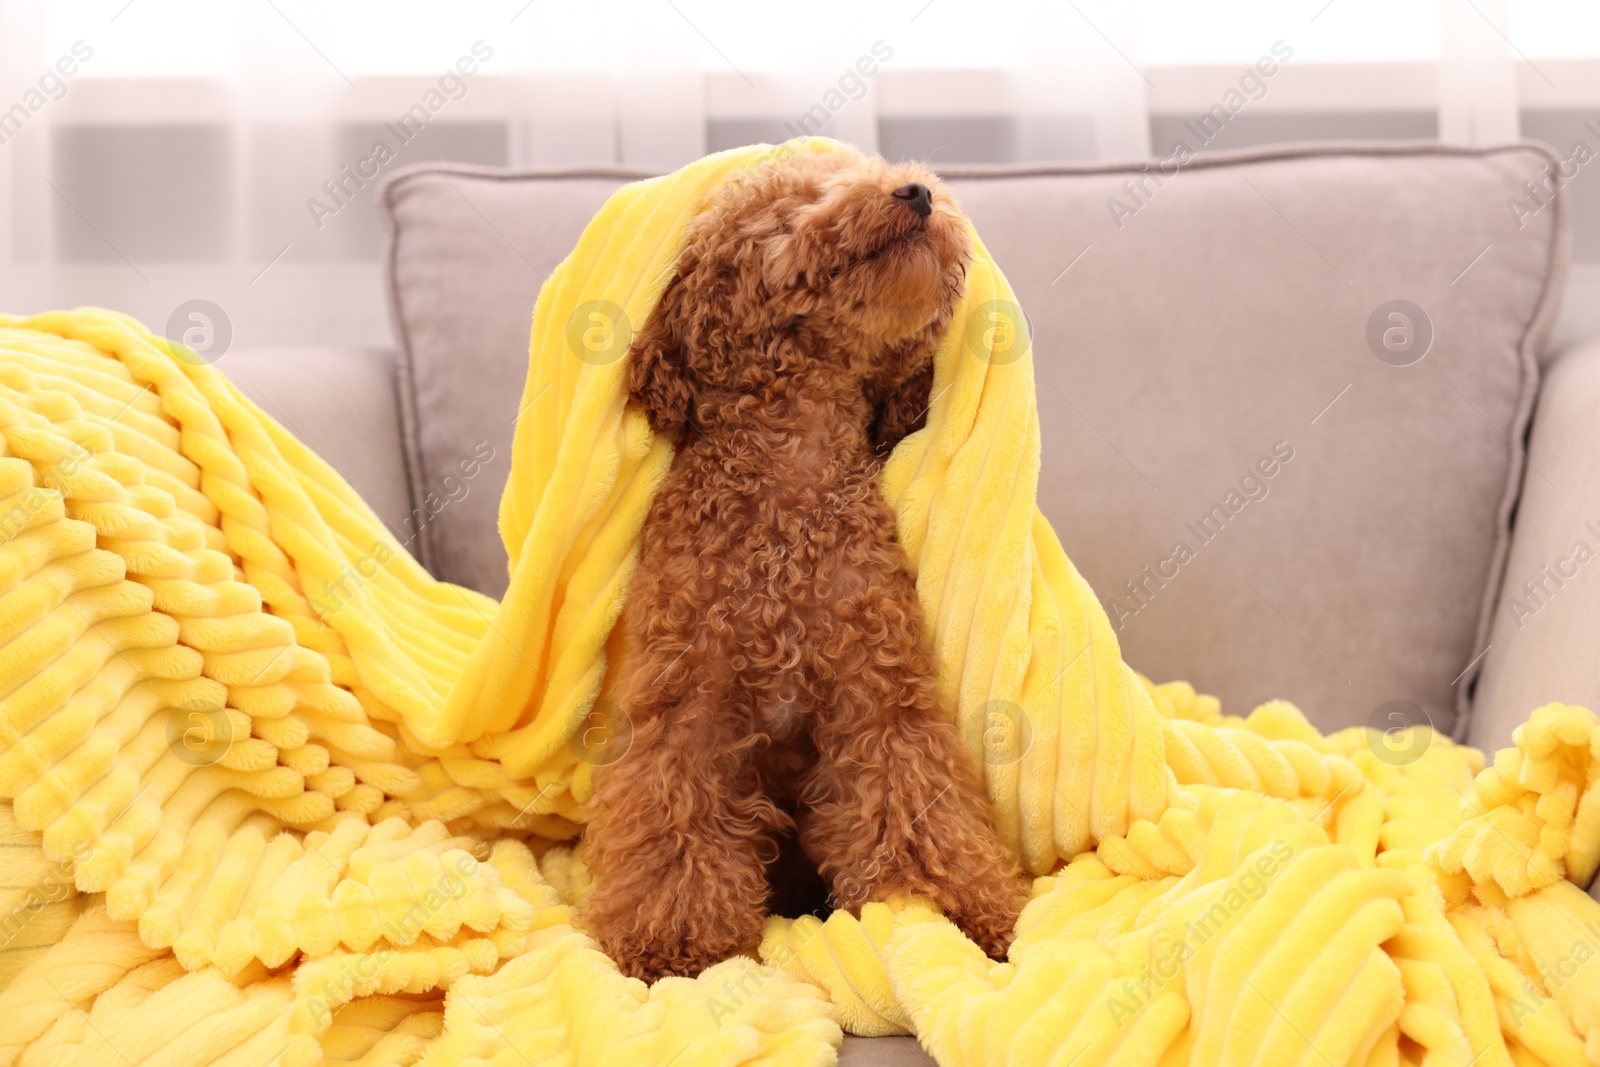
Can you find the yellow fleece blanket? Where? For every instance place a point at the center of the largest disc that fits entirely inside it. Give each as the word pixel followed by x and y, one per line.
pixel 269 794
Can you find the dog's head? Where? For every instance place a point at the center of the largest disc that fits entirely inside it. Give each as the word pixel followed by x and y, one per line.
pixel 830 258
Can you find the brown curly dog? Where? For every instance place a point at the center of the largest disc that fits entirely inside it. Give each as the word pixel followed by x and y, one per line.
pixel 779 679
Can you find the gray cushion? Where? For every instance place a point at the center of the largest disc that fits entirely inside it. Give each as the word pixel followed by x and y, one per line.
pixel 343 403
pixel 1182 331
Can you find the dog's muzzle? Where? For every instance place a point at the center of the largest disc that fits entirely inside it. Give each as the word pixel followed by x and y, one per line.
pixel 917 197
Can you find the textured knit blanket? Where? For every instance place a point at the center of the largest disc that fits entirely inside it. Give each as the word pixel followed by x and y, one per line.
pixel 271 795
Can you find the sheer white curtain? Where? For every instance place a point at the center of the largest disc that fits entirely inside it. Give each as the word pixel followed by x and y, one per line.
pixel 157 151
pixel 1477 87
pixel 1080 90
pixel 614 82
pixel 231 151
pixel 24 143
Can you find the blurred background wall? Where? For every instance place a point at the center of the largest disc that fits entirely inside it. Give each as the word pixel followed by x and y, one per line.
pixel 154 152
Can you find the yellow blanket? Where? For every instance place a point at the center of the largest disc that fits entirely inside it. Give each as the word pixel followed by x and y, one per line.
pixel 274 795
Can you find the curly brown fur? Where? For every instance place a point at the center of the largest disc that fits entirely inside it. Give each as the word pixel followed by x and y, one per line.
pixel 780 671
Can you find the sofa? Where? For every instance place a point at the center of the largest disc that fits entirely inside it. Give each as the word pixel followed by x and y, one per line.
pixel 1301 431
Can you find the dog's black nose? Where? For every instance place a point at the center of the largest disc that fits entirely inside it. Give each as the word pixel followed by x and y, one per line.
pixel 917 197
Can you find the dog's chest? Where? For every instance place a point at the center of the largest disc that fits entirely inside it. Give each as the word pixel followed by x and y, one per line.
pixel 783 506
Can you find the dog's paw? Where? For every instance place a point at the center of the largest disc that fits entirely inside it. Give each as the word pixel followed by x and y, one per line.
pixel 986 910
pixel 992 933
pixel 683 948
pixel 647 965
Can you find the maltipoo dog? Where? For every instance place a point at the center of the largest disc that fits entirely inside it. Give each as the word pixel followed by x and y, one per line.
pixel 780 680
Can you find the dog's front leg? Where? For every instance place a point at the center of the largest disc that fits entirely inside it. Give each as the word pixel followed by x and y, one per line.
pixel 681 834
pixel 894 806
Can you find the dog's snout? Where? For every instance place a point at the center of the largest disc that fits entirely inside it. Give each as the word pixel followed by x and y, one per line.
pixel 917 197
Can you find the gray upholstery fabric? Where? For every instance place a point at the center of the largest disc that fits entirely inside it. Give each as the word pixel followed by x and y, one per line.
pixel 1180 338
pixel 1542 647
pixel 344 404
pixel 882 1052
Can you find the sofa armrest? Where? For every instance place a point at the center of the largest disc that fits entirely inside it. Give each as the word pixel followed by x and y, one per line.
pixel 1545 642
pixel 1546 635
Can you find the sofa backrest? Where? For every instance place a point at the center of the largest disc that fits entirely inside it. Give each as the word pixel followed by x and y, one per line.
pixel 1282 394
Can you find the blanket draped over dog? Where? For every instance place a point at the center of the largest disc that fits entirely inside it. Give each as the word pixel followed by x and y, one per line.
pixel 273 795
